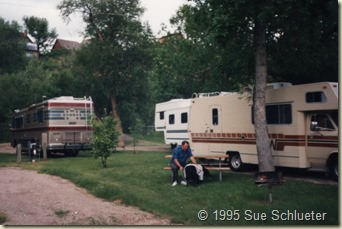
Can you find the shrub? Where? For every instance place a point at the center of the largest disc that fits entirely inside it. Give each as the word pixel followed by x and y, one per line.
pixel 105 138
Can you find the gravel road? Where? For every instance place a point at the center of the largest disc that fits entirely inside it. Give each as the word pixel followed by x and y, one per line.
pixel 30 198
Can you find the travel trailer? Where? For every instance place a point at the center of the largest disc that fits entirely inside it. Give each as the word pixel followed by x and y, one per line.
pixel 302 126
pixel 59 123
pixel 171 118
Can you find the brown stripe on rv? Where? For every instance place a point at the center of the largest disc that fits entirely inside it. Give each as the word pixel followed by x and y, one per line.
pixel 279 141
pixel 72 128
pixel 217 140
pixel 319 144
pixel 278 145
pixel 324 137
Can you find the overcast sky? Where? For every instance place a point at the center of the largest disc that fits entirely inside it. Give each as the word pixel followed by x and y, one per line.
pixel 157 12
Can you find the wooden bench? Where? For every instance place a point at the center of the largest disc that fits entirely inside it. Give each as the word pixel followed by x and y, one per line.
pixel 208 165
pixel 209 168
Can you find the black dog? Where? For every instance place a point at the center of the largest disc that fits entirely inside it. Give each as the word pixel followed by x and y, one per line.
pixel 191 176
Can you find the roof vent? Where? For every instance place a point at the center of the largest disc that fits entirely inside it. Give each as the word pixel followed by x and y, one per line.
pixel 64 98
pixel 278 85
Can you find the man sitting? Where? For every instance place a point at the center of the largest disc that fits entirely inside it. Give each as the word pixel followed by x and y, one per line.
pixel 178 161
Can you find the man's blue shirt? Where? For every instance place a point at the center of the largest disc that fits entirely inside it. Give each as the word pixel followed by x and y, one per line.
pixel 181 155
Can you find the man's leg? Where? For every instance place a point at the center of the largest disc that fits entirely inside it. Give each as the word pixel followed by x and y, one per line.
pixel 175 169
pixel 183 180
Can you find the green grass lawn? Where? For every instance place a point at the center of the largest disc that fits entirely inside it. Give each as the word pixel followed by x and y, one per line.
pixel 139 180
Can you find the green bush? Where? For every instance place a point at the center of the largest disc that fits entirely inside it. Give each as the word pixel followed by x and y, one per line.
pixel 105 138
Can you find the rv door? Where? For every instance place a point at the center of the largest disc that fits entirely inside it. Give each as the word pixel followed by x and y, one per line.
pixel 215 119
pixel 321 137
pixel 214 128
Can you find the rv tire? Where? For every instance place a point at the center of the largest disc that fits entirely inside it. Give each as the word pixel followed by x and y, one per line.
pixel 71 153
pixel 333 167
pixel 235 162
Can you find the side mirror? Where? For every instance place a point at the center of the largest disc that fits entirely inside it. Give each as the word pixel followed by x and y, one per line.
pixel 314 126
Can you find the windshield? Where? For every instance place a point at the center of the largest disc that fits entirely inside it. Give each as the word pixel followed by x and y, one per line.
pixel 334 116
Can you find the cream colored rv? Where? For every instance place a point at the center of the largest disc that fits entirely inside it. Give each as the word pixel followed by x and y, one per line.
pixel 302 125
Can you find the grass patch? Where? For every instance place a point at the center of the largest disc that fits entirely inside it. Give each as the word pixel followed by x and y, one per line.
pixel 155 137
pixel 3 218
pixel 61 213
pixel 139 180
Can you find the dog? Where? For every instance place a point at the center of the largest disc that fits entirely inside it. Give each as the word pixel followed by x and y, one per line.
pixel 194 173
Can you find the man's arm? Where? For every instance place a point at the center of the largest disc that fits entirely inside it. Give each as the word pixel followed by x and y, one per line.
pixel 178 164
pixel 193 160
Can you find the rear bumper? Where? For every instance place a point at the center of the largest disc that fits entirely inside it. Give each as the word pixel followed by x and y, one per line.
pixel 69 146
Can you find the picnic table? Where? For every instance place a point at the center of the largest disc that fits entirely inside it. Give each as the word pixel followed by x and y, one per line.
pixel 217 156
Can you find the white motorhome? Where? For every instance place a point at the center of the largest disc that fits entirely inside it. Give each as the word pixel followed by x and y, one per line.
pixel 61 123
pixel 302 125
pixel 171 117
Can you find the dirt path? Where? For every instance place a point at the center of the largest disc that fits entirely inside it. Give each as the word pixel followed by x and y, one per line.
pixel 30 198
pixel 6 148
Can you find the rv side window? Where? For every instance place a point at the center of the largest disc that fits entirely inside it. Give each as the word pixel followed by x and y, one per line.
pixel 316 97
pixel 277 114
pixel 161 115
pixel 18 122
pixel 184 118
pixel 215 116
pixel 28 118
pixel 171 119
pixel 40 115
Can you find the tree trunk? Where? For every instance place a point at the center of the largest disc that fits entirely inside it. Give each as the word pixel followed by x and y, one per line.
pixel 121 142
pixel 38 51
pixel 265 157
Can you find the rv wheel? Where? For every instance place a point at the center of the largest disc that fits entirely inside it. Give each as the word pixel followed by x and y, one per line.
pixel 235 162
pixel 334 167
pixel 71 153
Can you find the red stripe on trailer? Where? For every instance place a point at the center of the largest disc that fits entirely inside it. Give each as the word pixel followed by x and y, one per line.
pixel 75 105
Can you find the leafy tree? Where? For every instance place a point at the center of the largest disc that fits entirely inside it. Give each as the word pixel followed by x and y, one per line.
pixel 192 58
pixel 38 28
pixel 119 48
pixel 104 138
pixel 304 47
pixel 301 37
pixel 226 61
pixel 21 89
pixel 12 47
